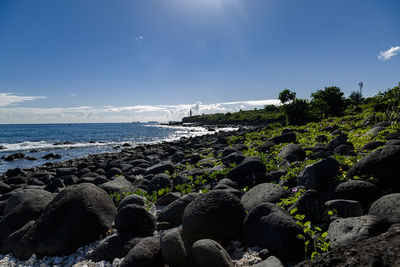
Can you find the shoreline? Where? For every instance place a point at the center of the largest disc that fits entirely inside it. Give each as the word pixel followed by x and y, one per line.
pixel 35 151
pixel 232 178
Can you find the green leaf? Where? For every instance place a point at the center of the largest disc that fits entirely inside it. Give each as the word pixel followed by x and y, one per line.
pixel 300 236
pixel 293 211
pixel 314 255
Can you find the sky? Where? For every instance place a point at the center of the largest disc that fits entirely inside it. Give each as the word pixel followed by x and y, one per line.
pixel 122 61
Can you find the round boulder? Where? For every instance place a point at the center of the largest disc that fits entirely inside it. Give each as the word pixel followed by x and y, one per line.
pixel 77 216
pixel 269 226
pixel 387 208
pixel 263 193
pixel 136 220
pixel 217 215
pixel 207 252
pixel 146 253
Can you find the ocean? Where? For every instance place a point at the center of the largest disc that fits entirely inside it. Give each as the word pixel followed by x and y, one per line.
pixel 78 140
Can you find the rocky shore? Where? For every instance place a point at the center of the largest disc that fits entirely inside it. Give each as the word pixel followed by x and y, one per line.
pixel 211 200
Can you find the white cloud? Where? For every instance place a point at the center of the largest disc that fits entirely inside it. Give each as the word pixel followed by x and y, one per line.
pixel 388 54
pixel 84 114
pixel 7 99
pixel 138 38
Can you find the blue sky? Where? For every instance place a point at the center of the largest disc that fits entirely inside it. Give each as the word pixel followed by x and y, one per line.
pixel 70 61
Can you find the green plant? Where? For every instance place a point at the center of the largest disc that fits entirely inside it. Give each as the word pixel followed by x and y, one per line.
pixel 314 236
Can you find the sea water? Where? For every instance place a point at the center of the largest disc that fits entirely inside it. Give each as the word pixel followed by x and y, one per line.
pixel 78 140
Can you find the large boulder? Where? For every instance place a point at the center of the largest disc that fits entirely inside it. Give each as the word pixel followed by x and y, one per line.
pixel 248 167
pixel 117 185
pixel 146 253
pixel 292 149
pixel 289 137
pixel 77 216
pixel 263 193
pixel 345 208
pixel 217 215
pixel 269 226
pixel 309 204
pixel 348 231
pixel 160 168
pixel 173 213
pixel 362 191
pixel 317 175
pixel 19 196
pixel 136 220
pixel 382 250
pixel 22 214
pixel 271 261
pixel 173 248
pixel 132 199
pixel 207 252
pixel 381 164
pixel 116 246
pixel 387 208
pixel 13 240
pixel 160 181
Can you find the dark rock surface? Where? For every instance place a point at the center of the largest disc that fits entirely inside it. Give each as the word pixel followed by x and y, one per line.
pixel 116 246
pixel 173 213
pixel 263 193
pixel 348 231
pixel 217 215
pixel 381 164
pixel 383 250
pixel 55 231
pixel 387 208
pixel 173 248
pixel 268 226
pixel 207 252
pixel 316 175
pixel 136 220
pixel 146 253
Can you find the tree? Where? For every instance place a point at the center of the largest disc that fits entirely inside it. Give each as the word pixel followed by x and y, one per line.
pixel 329 101
pixel 286 96
pixel 356 98
pixel 297 112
